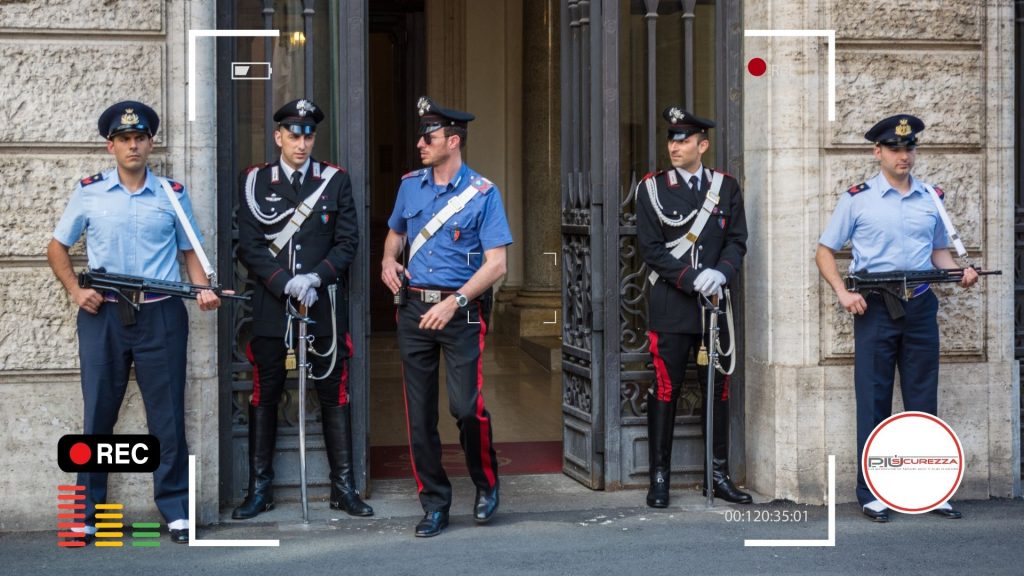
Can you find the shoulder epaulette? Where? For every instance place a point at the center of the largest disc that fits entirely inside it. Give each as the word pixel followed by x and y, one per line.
pixel 857 188
pixel 723 173
pixel 483 185
pixel 335 166
pixel 652 175
pixel 176 186
pixel 939 192
pixel 255 167
pixel 91 179
pixel 414 173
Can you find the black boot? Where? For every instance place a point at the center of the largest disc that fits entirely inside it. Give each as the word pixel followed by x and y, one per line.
pixel 262 436
pixel 661 417
pixel 724 488
pixel 338 443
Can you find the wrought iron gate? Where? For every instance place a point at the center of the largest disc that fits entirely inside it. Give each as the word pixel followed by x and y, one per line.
pixel 611 95
pixel 244 123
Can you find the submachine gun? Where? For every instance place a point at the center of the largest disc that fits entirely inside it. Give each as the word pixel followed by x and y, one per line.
pixel 131 288
pixel 899 286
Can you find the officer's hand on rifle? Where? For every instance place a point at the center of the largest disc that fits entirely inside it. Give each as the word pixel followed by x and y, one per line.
pixel 852 302
pixel 87 299
pixel 208 300
pixel 970 277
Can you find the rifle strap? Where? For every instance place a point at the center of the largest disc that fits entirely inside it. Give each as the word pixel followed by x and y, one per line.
pixel 189 231
pixel 953 235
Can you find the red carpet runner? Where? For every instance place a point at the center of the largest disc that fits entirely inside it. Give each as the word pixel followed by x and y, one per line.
pixel 513 458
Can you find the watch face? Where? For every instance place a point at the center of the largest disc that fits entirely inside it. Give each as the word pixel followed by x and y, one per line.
pixel 461 300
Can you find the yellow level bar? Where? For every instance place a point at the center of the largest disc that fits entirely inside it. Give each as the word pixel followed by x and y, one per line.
pixel 116 544
pixel 110 506
pixel 109 525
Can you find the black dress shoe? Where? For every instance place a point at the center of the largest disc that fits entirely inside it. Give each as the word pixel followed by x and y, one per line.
pixel 486 504
pixel 432 524
pixel 950 513
pixel 351 504
pixel 179 536
pixel 879 516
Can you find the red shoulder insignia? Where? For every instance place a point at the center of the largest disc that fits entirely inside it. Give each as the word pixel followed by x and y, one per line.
pixel 176 186
pixel 335 166
pixel 857 188
pixel 91 179
pixel 651 175
pixel 723 173
pixel 413 173
pixel 939 192
pixel 255 167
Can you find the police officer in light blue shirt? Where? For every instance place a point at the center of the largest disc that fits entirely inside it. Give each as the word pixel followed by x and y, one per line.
pixel 893 224
pixel 456 229
pixel 131 228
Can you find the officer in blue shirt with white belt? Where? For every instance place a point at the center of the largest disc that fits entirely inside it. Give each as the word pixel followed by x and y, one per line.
pixel 455 223
pixel 893 225
pixel 132 229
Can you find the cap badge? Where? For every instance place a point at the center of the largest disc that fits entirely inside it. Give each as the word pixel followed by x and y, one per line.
pixel 676 115
pixel 423 105
pixel 129 116
pixel 903 129
pixel 305 107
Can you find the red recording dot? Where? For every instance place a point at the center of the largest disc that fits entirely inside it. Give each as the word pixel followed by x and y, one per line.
pixel 80 453
pixel 757 66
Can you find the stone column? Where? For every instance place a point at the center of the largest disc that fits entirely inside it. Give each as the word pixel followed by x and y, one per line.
pixel 539 299
pixel 951 66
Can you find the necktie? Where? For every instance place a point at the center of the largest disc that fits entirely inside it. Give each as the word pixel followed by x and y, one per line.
pixel 296 180
pixel 695 185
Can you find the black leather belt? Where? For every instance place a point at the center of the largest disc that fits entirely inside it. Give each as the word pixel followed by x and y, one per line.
pixel 430 296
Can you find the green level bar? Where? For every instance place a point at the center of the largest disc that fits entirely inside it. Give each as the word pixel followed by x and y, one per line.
pixel 145 534
pixel 145 524
pixel 146 544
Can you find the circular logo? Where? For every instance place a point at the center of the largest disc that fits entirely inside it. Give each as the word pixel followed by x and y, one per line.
pixel 913 462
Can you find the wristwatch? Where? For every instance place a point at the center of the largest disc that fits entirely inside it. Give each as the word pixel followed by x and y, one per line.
pixel 461 300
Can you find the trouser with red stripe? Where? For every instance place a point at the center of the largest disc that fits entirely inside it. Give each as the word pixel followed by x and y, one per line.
pixel 462 343
pixel 267 356
pixel 671 354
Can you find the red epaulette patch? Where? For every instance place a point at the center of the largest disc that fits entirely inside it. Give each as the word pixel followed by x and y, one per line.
pixel 255 167
pixel 91 179
pixel 724 173
pixel 176 186
pixel 939 192
pixel 651 175
pixel 335 166
pixel 857 188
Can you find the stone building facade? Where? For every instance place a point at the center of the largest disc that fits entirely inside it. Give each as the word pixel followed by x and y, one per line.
pixel 950 62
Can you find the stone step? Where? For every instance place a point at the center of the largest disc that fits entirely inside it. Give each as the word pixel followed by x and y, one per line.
pixel 546 350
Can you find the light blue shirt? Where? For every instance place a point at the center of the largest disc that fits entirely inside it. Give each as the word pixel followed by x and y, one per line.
pixel 452 255
pixel 127 233
pixel 888 231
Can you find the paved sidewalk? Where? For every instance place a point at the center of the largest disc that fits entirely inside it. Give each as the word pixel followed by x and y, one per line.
pixel 549 524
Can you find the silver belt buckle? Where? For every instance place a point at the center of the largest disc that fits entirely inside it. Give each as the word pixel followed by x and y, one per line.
pixel 431 296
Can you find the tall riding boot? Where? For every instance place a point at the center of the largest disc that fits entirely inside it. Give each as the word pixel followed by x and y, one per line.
pixel 724 488
pixel 262 436
pixel 338 443
pixel 661 417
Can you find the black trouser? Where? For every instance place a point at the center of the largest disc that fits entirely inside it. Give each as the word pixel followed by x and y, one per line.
pixel 267 355
pixel 881 346
pixel 671 353
pixel 157 345
pixel 462 342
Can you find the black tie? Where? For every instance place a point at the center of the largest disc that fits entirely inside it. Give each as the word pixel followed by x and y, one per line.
pixel 695 185
pixel 296 180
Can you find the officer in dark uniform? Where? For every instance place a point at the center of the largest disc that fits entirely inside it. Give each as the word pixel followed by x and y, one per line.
pixel 669 204
pixel 132 229
pixel 893 225
pixel 297 237
pixel 457 231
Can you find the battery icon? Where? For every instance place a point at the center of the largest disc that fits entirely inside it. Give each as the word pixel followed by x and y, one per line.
pixel 250 70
